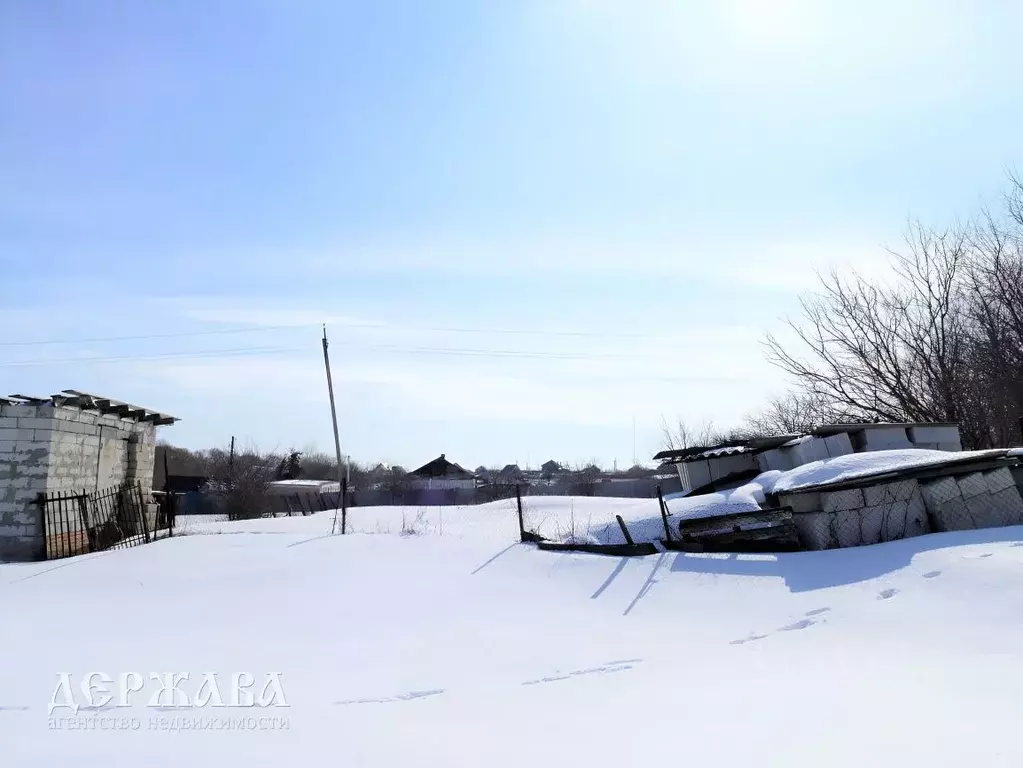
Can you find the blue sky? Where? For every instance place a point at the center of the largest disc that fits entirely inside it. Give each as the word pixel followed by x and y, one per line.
pixel 526 223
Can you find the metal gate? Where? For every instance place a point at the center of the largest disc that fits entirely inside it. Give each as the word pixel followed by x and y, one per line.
pixel 78 522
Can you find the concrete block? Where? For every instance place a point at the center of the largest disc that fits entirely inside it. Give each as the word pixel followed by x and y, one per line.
pixel 836 501
pixel 886 493
pixel 950 446
pixel 7 446
pixel 814 449
pixel 801 502
pixel 952 515
pixel 937 492
pixel 838 445
pixel 8 422
pixel 934 433
pixel 845 528
pixel 9 433
pixel 984 511
pixel 45 435
pixel 695 473
pixel 999 479
pixel 872 520
pixel 917 521
pixel 881 438
pixel 1010 503
pixel 18 411
pixel 72 427
pixel 75 415
pixel 972 484
pixel 37 423
pixel 815 531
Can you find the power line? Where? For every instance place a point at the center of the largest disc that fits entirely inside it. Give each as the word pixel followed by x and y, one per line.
pixel 148 336
pixel 213 353
pixel 197 354
pixel 353 326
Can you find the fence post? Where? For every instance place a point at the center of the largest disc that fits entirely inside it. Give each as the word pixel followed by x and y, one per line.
pixel 142 512
pixel 518 504
pixel 625 531
pixel 344 505
pixel 664 513
pixel 83 513
pixel 41 502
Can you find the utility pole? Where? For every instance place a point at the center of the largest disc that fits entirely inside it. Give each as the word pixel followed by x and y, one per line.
pixel 634 462
pixel 230 460
pixel 337 439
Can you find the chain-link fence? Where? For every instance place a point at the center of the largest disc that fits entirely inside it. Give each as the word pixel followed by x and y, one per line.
pixel 870 514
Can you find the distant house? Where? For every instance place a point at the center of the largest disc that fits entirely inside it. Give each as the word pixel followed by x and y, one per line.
pixel 177 471
pixel 510 474
pixel 441 474
pixel 549 468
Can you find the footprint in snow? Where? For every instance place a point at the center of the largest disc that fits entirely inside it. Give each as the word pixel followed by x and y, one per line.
pixel 932 574
pixel 802 624
pixel 401 697
pixel 887 594
pixel 817 611
pixel 750 639
pixel 607 669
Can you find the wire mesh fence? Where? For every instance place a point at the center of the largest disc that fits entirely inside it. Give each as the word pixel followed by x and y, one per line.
pixel 870 514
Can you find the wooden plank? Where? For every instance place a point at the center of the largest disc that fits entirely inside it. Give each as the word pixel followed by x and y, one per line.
pixel 620 550
pixel 741 519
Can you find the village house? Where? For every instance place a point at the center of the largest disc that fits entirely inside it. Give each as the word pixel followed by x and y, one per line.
pixel 441 474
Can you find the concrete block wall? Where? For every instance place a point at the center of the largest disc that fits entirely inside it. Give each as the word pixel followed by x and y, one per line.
pixel 46 448
pixel 859 516
pixel 974 500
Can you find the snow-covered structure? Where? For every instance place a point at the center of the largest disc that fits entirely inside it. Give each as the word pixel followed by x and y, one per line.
pixel 704 467
pixel 853 484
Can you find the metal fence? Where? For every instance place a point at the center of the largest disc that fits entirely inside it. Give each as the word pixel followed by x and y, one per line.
pixel 75 523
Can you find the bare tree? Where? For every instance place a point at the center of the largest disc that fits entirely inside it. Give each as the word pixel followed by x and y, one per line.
pixel 684 435
pixel 941 341
pixel 887 353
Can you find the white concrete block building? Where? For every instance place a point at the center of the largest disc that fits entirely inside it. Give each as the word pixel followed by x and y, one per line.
pixel 72 441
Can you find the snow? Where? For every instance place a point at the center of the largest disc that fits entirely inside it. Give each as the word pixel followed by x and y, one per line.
pixel 460 647
pixel 855 465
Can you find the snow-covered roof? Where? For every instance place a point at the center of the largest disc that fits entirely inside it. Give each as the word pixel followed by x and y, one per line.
pixel 862 466
pixel 300 484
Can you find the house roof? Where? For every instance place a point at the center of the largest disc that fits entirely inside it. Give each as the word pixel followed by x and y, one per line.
pixel 441 467
pixel 72 398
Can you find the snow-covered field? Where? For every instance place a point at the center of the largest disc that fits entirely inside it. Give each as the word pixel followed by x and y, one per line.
pixel 455 646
